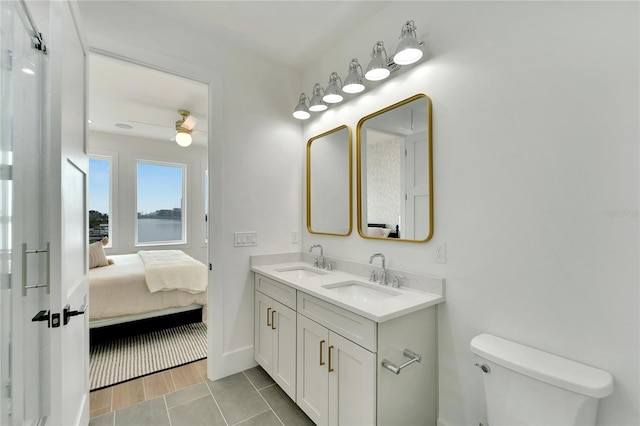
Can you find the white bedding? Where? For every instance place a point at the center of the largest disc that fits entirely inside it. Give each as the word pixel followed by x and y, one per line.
pixel 120 289
pixel 173 270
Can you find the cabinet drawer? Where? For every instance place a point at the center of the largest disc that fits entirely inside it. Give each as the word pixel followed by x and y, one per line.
pixel 349 325
pixel 278 291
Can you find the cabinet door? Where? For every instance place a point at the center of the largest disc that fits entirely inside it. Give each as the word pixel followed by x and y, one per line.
pixel 283 367
pixel 263 332
pixel 352 383
pixel 312 381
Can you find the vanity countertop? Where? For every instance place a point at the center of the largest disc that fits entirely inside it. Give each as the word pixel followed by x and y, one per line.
pixel 322 284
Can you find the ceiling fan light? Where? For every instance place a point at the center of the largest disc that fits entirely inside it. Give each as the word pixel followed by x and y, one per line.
pixel 183 138
pixel 408 50
pixel 332 92
pixel 301 111
pixel 377 69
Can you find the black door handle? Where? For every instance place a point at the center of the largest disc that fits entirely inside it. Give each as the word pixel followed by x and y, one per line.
pixel 42 316
pixel 68 313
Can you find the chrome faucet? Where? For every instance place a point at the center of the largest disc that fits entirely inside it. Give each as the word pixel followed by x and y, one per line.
pixel 383 273
pixel 319 262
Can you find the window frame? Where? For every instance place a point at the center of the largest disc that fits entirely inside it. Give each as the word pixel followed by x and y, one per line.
pixel 112 159
pixel 184 228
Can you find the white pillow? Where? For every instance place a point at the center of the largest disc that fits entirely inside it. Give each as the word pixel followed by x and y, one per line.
pixel 378 232
pixel 97 257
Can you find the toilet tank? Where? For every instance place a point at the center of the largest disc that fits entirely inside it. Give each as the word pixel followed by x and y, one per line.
pixel 527 386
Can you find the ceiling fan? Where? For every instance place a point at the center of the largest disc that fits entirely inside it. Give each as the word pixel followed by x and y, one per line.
pixel 184 128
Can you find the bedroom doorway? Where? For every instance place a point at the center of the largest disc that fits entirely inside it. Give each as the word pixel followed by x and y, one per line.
pixel 148 191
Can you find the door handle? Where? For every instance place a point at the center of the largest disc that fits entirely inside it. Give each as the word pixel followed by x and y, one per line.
pixel 321 361
pixel 68 313
pixel 43 316
pixel 330 366
pixel 268 313
pixel 273 321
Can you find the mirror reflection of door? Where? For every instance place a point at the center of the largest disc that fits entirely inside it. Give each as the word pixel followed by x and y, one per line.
pixel 395 199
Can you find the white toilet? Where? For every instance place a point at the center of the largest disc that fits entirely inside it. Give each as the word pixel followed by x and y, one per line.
pixel 526 386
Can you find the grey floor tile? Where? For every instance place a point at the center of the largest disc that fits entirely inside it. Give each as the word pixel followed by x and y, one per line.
pixel 148 413
pixel 259 377
pixel 284 407
pixel 237 398
pixel 187 394
pixel 105 420
pixel 265 419
pixel 202 411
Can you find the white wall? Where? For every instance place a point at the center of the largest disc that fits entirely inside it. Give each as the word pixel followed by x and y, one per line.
pixel 125 152
pixel 256 156
pixel 535 108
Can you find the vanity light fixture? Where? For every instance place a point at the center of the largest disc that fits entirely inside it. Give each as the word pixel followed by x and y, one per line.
pixel 183 137
pixel 377 69
pixel 354 81
pixel 317 104
pixel 408 50
pixel 332 92
pixel 301 111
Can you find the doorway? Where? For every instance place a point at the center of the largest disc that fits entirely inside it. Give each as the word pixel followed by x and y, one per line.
pixel 134 111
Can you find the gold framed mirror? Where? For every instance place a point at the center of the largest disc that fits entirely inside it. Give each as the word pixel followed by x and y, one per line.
pixel 329 183
pixel 395 172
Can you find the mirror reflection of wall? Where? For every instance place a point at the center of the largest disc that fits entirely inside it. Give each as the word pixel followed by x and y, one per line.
pixel 395 196
pixel 329 169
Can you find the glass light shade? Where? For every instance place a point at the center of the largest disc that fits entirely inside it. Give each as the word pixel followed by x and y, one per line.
pixel 377 69
pixel 408 50
pixel 353 82
pixel 183 139
pixel 332 92
pixel 316 104
pixel 301 111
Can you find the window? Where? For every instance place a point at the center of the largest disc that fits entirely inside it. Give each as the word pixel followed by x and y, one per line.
pixel 100 199
pixel 160 203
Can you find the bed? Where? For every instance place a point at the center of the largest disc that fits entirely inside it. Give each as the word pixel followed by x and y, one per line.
pixel 121 292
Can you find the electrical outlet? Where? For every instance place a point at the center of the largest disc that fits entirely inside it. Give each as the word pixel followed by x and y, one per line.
pixel 440 253
pixel 294 237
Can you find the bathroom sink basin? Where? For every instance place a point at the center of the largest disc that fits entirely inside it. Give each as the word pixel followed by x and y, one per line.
pixel 362 291
pixel 301 272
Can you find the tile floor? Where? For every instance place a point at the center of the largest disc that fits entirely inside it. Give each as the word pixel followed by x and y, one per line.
pixel 184 396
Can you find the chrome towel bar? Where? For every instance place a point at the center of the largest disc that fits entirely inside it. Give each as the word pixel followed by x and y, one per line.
pixel 396 368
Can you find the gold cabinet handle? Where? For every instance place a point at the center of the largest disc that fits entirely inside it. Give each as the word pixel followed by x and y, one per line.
pixel 268 311
pixel 321 361
pixel 330 367
pixel 273 321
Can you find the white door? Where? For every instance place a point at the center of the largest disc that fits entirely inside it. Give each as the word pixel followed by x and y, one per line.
pixel 352 383
pixel 283 364
pixel 67 228
pixel 312 363
pixel 416 184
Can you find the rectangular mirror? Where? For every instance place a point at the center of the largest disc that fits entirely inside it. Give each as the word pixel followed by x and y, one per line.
pixel 395 172
pixel 329 193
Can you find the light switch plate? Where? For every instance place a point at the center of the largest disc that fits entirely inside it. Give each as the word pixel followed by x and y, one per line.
pixel 245 239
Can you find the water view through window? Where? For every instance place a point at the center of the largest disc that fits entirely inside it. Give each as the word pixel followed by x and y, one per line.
pixel 160 203
pixel 99 198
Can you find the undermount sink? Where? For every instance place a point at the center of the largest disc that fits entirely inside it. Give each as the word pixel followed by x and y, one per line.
pixel 362 291
pixel 301 272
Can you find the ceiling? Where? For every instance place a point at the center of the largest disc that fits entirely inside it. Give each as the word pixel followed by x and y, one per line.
pixel 121 93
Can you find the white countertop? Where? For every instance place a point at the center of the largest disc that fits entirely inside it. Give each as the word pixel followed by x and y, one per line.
pixel 404 300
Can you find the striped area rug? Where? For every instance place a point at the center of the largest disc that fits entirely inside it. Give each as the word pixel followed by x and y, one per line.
pixel 135 356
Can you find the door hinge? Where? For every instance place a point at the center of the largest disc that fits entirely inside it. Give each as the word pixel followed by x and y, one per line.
pixel 38 43
pixel 210 267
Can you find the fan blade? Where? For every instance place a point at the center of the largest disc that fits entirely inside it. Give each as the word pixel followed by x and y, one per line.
pixel 199 132
pixel 150 124
pixel 190 122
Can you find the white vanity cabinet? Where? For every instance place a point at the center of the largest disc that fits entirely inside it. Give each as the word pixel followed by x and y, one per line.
pixel 275 339
pixel 336 378
pixel 329 359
